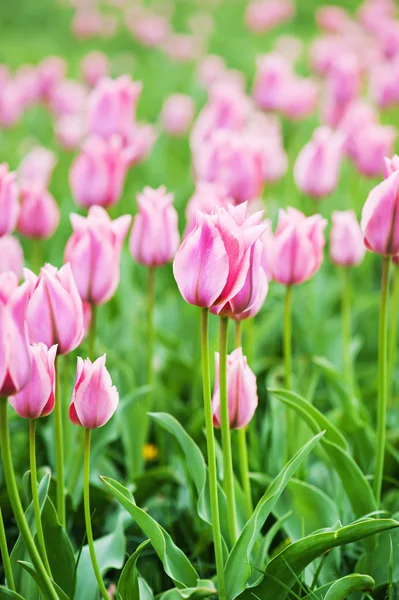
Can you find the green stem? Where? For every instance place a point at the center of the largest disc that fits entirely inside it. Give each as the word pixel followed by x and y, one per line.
pixel 210 441
pixel 250 340
pixel 59 449
pixel 228 479
pixel 5 556
pixel 237 334
pixel 35 495
pixel 393 331
pixel 89 532
pixel 150 327
pixel 382 380
pixel 346 327
pixel 93 331
pixel 287 333
pixel 16 505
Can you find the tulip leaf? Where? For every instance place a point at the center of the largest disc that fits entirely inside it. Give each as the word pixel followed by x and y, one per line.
pixel 175 562
pixel 289 564
pixel 29 569
pixel 7 594
pixel 350 584
pixel 238 569
pixel 128 585
pixel 203 589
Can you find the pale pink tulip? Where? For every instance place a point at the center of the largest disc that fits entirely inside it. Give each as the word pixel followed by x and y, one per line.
pixel 69 97
pixel 177 114
pixel 40 215
pixel 37 167
pixel 94 67
pixel 264 15
pixel 9 204
pixel 11 255
pixel 347 248
pixel 51 71
pixel 369 147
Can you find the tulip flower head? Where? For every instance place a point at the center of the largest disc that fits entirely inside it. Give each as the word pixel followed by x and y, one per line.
pixel 207 196
pixel 177 114
pixel 40 215
pixel 37 399
pixel 241 391
pixel 9 204
pixel 37 167
pixel 11 255
pixel 347 248
pixel 94 398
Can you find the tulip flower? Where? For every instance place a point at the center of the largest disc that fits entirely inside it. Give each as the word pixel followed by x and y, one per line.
pixel 51 71
pixel 55 313
pixel 9 205
pixel 347 248
pixel 94 398
pixel 11 255
pixel 37 167
pixel 207 196
pixel 263 15
pixel 211 69
pixel 11 104
pixel 273 74
pixel 177 114
pixel 369 147
pixel 40 215
pixel 69 97
pixel 15 355
pixel 241 391
pixel 69 130
pixel 94 67
pixel 316 170
pixel 93 252
pixel 148 29
pixel 37 399
pixel 155 238
pixel 343 86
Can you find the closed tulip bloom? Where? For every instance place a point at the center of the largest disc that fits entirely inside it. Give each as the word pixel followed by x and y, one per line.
pixel 40 215
pixel 11 255
pixel 273 72
pixel 369 147
pixel 55 312
pixel 93 252
pixel 155 237
pixel 298 247
pixel 37 167
pixel 264 15
pixel 15 355
pixel 37 399
pixel 316 170
pixel 242 395
pixel 94 67
pixel 94 398
pixel 9 204
pixel 332 19
pixel 347 248
pixel 70 130
pixel 68 98
pixel 380 215
pixel 177 114
pixel 51 71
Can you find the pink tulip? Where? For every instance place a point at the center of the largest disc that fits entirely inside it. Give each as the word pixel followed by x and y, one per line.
pixel 94 398
pixel 317 167
pixel 94 67
pixel 211 69
pixel 93 252
pixel 343 87
pixel 380 215
pixel 15 356
pixel 299 98
pixel 370 145
pixel 55 312
pixel 11 104
pixel 384 83
pixel 27 82
pixel 51 71
pixel 37 399
pixel 177 114
pixel 263 15
pixel 272 78
pixel 241 391
pixel 11 255
pixel 40 215
pixel 86 23
pixel 155 237
pixel 332 19
pixel 182 47
pixel 98 173
pixel 149 29
pixel 112 106
pixel 70 131
pixel 206 198
pixel 290 47
pixel 69 97
pixel 347 248
pixel 298 246
pixel 358 115
pixel 9 205
pixel 37 167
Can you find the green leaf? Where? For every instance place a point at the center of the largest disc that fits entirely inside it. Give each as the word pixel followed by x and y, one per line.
pixel 345 586
pixel 29 569
pixel 145 590
pixel 287 566
pixel 149 482
pixel 6 594
pixel 238 567
pixel 133 416
pixel 128 585
pixel 203 589
pixel 175 562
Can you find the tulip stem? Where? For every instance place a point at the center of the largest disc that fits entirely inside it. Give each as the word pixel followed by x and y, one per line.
pixel 93 331
pixel 89 531
pixel 12 490
pixel 59 448
pixel 382 379
pixel 150 328
pixel 210 441
pixel 228 475
pixel 393 330
pixel 237 334
pixel 346 327
pixel 35 495
pixel 288 364
pixel 5 556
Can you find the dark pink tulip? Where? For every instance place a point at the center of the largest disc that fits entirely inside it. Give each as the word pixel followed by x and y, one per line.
pixel 93 252
pixel 11 255
pixel 206 198
pixel 380 216
pixel 94 67
pixel 264 15
pixel 177 114
pixel 347 248
pixel 51 71
pixel 37 399
pixel 98 173
pixel 70 130
pixel 37 167
pixel 112 106
pixel 316 170
pixel 241 391
pixel 155 237
pixel 55 312
pixel 40 215
pixel 298 247
pixel 68 98
pixel 370 145
pixel 9 204
pixel 94 398
pixel 15 356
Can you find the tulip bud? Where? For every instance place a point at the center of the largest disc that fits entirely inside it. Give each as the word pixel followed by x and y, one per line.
pixel 40 215
pixel 93 252
pixel 94 398
pixel 347 248
pixel 11 255
pixel 94 67
pixel 51 71
pixel 370 145
pixel 15 356
pixel 36 167
pixel 69 131
pixel 177 114
pixel 242 394
pixel 37 399
pixel 155 236
pixel 55 312
pixel 9 205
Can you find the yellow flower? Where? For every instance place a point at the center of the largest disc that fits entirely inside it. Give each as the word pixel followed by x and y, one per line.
pixel 150 452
